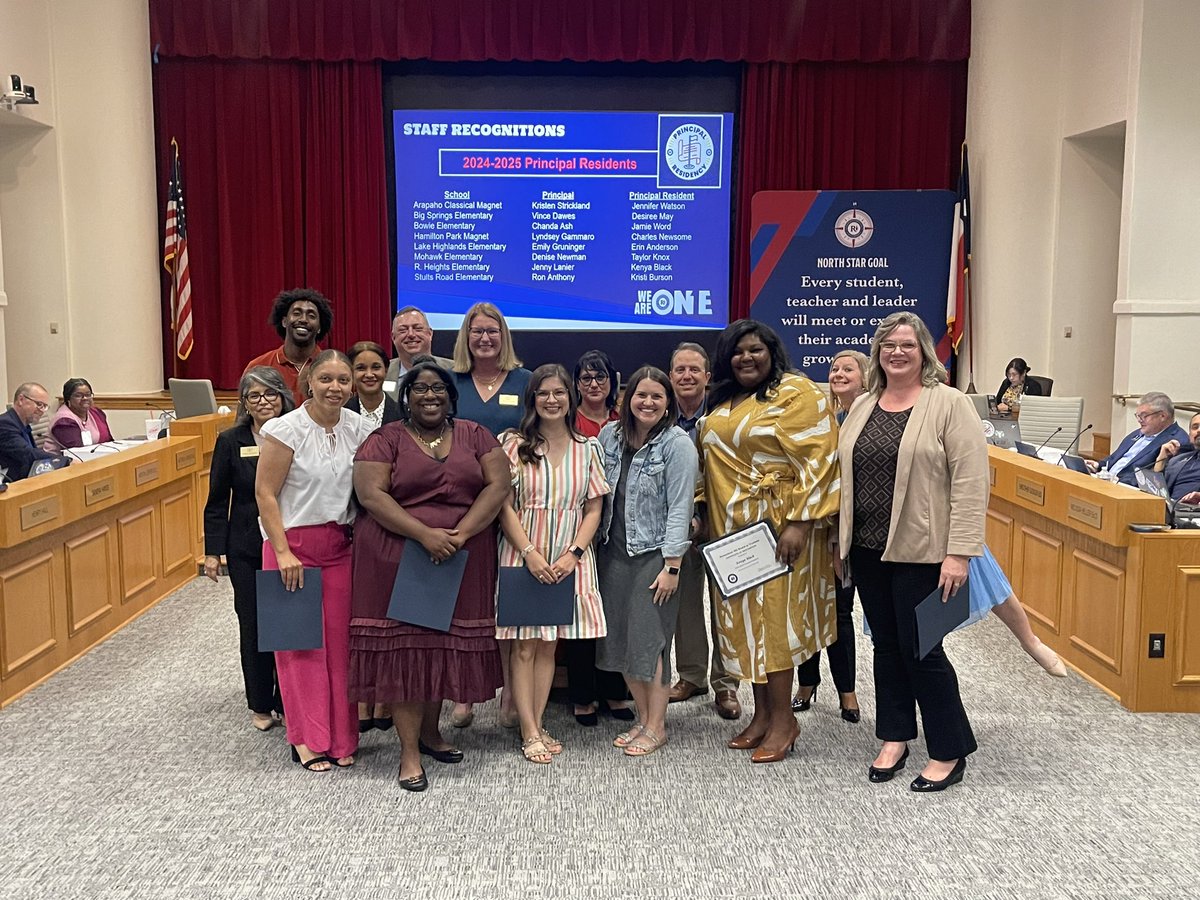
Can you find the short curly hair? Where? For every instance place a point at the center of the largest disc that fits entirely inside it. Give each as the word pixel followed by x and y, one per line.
pixel 284 302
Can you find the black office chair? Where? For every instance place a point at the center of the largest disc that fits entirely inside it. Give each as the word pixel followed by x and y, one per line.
pixel 1046 384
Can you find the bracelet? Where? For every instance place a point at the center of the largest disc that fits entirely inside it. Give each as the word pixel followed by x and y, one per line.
pixel 526 551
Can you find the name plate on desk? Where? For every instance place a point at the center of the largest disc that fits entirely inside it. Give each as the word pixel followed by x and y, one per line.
pixel 1085 511
pixel 1031 491
pixel 992 475
pixel 146 473
pixel 39 513
pixel 98 491
pixel 185 458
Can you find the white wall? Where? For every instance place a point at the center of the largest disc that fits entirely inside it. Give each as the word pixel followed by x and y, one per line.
pixel 77 198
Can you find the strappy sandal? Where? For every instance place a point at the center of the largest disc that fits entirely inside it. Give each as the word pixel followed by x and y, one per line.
pixel 553 744
pixel 625 738
pixel 645 743
pixel 530 749
pixel 312 763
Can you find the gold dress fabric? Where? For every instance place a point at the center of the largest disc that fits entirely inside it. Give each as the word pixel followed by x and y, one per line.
pixel 774 459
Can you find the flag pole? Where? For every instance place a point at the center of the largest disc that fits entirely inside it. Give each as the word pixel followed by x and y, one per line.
pixel 967 304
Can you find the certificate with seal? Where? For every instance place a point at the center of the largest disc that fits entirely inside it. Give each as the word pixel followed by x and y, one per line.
pixel 744 559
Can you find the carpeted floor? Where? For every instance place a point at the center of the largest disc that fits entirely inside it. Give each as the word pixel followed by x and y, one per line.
pixel 135 773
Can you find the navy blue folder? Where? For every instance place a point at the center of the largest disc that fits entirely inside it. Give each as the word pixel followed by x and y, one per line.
pixel 936 619
pixel 289 620
pixel 425 593
pixel 523 600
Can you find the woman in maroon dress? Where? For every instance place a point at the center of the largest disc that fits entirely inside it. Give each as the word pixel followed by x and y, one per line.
pixel 430 484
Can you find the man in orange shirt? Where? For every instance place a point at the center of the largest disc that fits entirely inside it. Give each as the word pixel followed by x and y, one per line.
pixel 301 317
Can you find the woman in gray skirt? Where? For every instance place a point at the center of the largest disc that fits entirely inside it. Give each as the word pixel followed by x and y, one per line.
pixel 651 465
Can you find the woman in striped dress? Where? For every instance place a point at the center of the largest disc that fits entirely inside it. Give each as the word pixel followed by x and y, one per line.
pixel 547 526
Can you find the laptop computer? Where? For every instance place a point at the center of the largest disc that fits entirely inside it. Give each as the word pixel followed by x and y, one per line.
pixel 981 404
pixel 1004 433
pixel 1074 463
pixel 1152 482
pixel 42 466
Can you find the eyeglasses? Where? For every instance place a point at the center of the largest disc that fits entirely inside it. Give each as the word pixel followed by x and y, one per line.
pixel 1142 417
pixel 593 379
pixel 82 395
pixel 41 407
pixel 558 394
pixel 493 333
pixel 903 347
pixel 421 389
pixel 256 397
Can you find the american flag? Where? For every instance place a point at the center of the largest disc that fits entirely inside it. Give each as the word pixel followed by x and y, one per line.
pixel 958 290
pixel 175 260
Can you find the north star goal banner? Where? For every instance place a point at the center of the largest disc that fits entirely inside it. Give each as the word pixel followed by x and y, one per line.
pixel 827 266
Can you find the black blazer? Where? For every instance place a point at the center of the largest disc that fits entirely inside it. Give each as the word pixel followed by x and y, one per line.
pixel 231 513
pixel 1032 389
pixel 391 409
pixel 18 450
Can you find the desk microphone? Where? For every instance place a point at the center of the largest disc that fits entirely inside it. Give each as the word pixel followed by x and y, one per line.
pixel 1072 444
pixel 1048 440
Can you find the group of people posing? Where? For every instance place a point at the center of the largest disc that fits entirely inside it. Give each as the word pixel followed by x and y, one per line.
pixel 349 461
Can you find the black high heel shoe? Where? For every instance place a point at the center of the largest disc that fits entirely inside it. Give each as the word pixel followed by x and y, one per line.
pixel 923 785
pixel 853 715
pixel 316 760
pixel 880 774
pixel 804 705
pixel 453 755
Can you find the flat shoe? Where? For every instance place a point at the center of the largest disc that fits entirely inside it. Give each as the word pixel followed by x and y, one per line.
pixel 535 751
pixel 416 784
pixel 588 719
pixel 462 720
pixel 453 755
pixel 625 738
pixel 553 744
pixel 263 722
pixel 645 743
pixel 365 725
pixel 923 785
pixel 622 713
pixel 383 723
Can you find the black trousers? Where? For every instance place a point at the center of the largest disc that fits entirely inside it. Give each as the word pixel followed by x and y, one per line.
pixel 258 669
pixel 841 651
pixel 890 593
pixel 585 683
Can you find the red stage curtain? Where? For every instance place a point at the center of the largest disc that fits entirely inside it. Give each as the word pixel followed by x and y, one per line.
pixel 284 181
pixel 553 30
pixel 843 126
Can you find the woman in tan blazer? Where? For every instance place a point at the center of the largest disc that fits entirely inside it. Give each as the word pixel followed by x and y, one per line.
pixel 914 497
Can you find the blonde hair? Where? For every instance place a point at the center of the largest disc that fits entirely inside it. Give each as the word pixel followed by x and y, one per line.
pixel 463 361
pixel 860 360
pixel 932 371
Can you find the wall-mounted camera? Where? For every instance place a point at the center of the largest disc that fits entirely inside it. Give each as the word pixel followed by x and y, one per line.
pixel 14 92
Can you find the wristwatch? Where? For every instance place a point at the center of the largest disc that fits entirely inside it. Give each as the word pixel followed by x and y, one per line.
pixel 672 570
pixel 576 551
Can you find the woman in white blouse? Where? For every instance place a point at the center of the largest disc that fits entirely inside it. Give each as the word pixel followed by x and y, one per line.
pixel 304 489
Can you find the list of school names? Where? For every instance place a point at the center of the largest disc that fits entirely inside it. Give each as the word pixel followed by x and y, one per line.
pixel 452 237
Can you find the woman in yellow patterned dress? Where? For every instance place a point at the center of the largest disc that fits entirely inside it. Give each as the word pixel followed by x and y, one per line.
pixel 769 452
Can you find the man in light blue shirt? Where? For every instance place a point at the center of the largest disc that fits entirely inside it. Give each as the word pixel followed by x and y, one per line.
pixel 1156 425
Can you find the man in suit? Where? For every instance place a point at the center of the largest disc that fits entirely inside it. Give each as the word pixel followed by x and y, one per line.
pixel 18 452
pixel 1156 425
pixel 1180 463
pixel 411 336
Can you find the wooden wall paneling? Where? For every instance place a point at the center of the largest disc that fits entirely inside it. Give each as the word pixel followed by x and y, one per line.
pixel 1185 639
pixel 26 612
pixel 1000 538
pixel 178 532
pixel 90 577
pixel 137 552
pixel 201 493
pixel 1096 624
pixel 1041 565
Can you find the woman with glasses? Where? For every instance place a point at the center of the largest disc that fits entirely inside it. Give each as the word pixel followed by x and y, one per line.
pixel 231 529
pixel 431 483
pixel 596 393
pixel 913 507
pixel 769 447
pixel 1015 385
pixel 78 423
pixel 547 526
pixel 491 388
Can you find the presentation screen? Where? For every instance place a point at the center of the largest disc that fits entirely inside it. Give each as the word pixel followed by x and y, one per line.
pixel 564 220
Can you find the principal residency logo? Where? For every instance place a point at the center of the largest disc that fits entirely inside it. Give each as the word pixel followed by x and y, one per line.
pixel 689 151
pixel 665 302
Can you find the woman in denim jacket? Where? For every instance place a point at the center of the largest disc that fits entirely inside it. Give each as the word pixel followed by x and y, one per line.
pixel 651 466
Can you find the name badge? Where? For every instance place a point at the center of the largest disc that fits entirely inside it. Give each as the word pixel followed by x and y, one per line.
pixel 508 400
pixel 249 452
pixel 87 437
pixel 389 387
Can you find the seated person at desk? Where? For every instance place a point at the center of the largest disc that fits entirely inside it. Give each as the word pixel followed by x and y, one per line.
pixel 1181 470
pixel 1015 386
pixel 78 423
pixel 1156 425
pixel 301 317
pixel 18 452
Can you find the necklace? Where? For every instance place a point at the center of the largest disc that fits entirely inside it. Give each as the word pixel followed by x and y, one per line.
pixel 488 386
pixel 435 443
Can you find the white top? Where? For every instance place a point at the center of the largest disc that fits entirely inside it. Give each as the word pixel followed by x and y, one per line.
pixel 320 483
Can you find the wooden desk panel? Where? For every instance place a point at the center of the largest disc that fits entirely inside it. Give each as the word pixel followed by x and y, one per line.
pixel 1094 590
pixel 96 558
pixel 206 428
